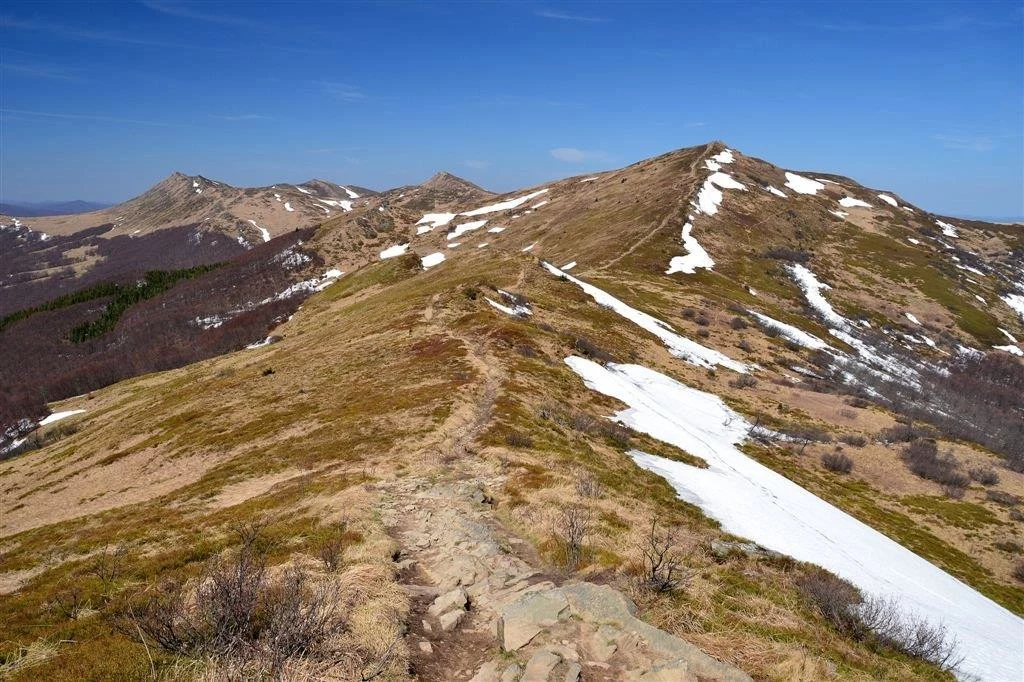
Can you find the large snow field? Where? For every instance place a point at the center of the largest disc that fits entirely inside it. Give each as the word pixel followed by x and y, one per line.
pixel 752 501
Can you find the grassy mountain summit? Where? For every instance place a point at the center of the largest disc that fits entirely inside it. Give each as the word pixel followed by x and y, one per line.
pixel 493 443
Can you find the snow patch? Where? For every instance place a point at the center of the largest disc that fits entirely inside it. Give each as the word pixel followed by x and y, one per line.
pixel 812 288
pixel 752 501
pixel 681 347
pixel 464 228
pixel 696 256
pixel 588 179
pixel 343 204
pixel 724 156
pixel 351 194
pixel 505 205
pixel 797 336
pixel 263 231
pixel 288 207
pixel 431 260
pixel 802 185
pixel 57 416
pixel 1015 301
pixel 913 319
pixel 913 241
pixel 947 229
pixel 496 230
pixel 1012 350
pixel 889 200
pixel 529 247
pixel 394 251
pixel 777 192
pixel 1007 334
pixel 435 220
pixel 850 202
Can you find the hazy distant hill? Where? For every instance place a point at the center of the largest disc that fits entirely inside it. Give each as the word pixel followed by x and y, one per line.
pixel 32 209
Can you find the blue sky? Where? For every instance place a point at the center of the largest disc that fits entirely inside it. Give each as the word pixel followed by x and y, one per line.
pixel 100 101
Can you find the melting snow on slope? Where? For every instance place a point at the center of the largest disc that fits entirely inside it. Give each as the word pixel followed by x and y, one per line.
pixel 1007 334
pixel 351 194
pixel 839 214
pixel 57 416
pixel 431 260
pixel 724 156
pixel 1012 350
pixel 947 229
pixel 752 501
pixel 797 336
pixel 913 319
pixel 505 205
pixel 529 247
pixel 539 204
pixel 812 289
pixel 696 256
pixel 802 185
pixel 569 266
pixel 710 196
pixel 514 311
pixel 913 241
pixel 679 346
pixel 434 220
pixel 288 206
pixel 1015 301
pixel 343 204
pixel 588 179
pixel 850 202
pixel 303 190
pixel 776 192
pixel 263 231
pixel 889 200
pixel 496 230
pixel 465 227
pixel 394 251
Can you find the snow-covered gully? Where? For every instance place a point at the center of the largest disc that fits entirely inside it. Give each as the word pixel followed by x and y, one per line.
pixel 752 501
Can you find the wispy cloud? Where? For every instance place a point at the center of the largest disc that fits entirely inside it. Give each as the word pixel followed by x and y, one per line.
pixel 342 91
pixel 88 35
pixel 40 71
pixel 476 163
pixel 240 117
pixel 573 155
pixel 948 24
pixel 565 16
pixel 696 124
pixel 972 143
pixel 87 117
pixel 186 11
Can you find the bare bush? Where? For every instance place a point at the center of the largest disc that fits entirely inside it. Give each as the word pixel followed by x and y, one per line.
pixel 905 433
pixel 738 323
pixel 984 475
pixel 1002 497
pixel 923 459
pixel 837 462
pixel 663 569
pixel 519 440
pixel 745 345
pixel 331 546
pixel 788 254
pixel 1018 571
pixel 574 529
pixel 586 347
pixel 587 486
pixel 743 381
pixel 854 439
pixel 236 614
pixel 880 619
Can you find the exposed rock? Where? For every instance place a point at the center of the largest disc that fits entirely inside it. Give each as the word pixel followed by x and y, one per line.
pixel 449 601
pixel 511 673
pixel 451 620
pixel 541 665
pixel 723 549
pixel 573 673
pixel 520 621
pixel 426 648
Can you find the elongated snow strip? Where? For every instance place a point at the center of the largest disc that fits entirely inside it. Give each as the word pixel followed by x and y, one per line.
pixel 752 501
pixel 679 346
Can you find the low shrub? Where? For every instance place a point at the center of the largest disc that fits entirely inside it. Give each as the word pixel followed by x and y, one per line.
pixel 984 475
pixel 854 439
pixel 904 433
pixel 923 459
pixel 519 440
pixel 1002 497
pixel 837 462
pixel 738 323
pixel 743 381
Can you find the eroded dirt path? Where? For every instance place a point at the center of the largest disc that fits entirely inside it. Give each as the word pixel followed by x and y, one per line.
pixel 483 609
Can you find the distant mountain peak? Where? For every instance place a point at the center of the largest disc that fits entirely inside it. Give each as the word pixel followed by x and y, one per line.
pixel 443 180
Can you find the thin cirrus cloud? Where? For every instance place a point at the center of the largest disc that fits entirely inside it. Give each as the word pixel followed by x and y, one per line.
pixel 240 117
pixel 573 155
pixel 86 117
pixel 971 143
pixel 565 16
pixel 185 11
pixel 342 91
pixel 27 70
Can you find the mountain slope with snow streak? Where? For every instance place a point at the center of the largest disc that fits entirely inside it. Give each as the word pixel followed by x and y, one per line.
pixel 754 502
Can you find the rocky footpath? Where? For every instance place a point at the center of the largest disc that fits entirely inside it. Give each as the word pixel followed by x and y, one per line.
pixel 484 612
